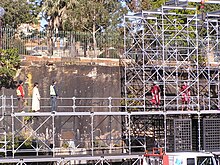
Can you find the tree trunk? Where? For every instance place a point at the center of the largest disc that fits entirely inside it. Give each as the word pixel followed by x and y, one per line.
pixel 49 38
pixel 94 40
pixel 73 51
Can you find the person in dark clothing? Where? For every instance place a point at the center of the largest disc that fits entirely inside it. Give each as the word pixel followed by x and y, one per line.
pixel 53 96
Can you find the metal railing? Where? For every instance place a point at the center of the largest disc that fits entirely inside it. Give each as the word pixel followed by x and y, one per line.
pixel 3 136
pixel 72 104
pixel 96 126
pixel 62 43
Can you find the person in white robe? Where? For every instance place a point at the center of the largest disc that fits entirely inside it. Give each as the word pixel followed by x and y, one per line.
pixel 35 98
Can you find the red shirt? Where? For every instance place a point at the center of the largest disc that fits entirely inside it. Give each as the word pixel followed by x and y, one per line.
pixel 155 90
pixel 184 89
pixel 20 91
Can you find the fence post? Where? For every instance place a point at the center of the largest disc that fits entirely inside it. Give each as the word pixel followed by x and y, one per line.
pixel 74 104
pixel 110 104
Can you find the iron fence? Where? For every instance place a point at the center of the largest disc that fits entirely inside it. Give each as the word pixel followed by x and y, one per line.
pixel 63 43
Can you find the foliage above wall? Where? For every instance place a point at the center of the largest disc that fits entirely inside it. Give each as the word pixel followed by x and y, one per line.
pixel 9 64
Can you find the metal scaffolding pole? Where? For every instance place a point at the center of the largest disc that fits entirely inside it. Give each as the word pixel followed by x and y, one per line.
pixel 170 47
pixel 97 121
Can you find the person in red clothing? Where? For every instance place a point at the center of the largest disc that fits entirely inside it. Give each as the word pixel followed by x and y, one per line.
pixel 20 95
pixel 185 92
pixel 155 91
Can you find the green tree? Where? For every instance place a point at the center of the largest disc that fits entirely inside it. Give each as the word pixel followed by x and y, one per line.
pixel 54 11
pixel 19 11
pixel 94 16
pixel 139 5
pixel 9 64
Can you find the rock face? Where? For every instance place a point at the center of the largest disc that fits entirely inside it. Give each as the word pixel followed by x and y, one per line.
pixel 88 81
pixel 73 80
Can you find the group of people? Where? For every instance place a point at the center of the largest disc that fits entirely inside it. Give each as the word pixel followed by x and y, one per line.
pixel 36 97
pixel 156 95
pixel 155 91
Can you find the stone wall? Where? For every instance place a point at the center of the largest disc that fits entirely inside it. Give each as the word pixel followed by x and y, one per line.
pixel 86 79
pixel 78 78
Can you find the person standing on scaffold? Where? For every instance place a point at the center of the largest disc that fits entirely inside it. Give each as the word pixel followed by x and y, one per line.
pixel 185 92
pixel 155 92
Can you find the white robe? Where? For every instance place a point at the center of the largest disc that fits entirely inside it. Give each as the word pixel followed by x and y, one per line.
pixel 35 99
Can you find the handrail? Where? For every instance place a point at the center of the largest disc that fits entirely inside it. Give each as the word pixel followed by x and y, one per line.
pixel 111 104
pixel 3 105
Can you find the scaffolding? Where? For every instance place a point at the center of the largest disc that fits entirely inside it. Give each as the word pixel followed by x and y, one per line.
pixel 97 131
pixel 171 46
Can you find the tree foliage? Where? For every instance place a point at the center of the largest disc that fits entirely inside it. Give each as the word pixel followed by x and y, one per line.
pixel 139 5
pixel 19 11
pixel 9 64
pixel 82 15
pixel 54 11
pixel 95 16
pixel 92 16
